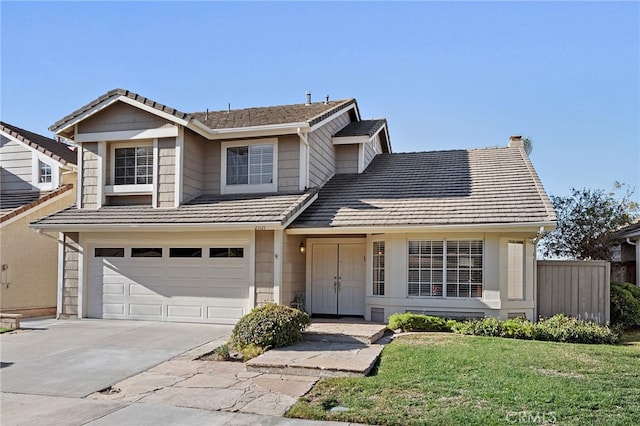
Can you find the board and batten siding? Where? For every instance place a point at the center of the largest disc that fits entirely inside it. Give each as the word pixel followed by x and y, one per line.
pixel 322 159
pixel 89 188
pixel 16 161
pixel 579 289
pixel 347 158
pixel 288 163
pixel 193 165
pixel 121 117
pixel 264 267
pixel 211 168
pixel 166 172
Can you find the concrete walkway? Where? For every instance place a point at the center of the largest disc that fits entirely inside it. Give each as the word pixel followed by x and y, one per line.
pixel 170 387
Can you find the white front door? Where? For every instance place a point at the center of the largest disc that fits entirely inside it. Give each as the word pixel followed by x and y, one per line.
pixel 338 274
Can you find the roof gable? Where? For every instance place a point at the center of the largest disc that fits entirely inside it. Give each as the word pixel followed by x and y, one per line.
pixel 60 152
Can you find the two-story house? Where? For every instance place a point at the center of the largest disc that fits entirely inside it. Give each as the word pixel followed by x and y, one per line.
pixel 37 178
pixel 202 216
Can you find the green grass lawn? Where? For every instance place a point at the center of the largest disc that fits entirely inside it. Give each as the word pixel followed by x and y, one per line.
pixel 442 379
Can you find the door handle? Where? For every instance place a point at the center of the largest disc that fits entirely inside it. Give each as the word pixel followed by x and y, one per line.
pixel 335 285
pixel 339 283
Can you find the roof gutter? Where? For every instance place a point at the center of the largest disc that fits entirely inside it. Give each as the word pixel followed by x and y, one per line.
pixel 164 227
pixel 533 227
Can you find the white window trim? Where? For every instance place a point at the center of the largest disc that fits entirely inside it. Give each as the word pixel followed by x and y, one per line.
pixel 131 189
pixel 444 268
pixel 246 189
pixel 373 268
pixel 35 172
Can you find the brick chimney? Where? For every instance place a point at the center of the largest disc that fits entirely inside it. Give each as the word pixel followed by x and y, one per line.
pixel 516 141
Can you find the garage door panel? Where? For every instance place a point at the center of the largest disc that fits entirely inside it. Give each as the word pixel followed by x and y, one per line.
pixel 113 289
pixel 205 289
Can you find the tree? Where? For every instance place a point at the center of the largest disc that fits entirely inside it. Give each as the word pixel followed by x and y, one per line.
pixel 587 222
pixel 528 145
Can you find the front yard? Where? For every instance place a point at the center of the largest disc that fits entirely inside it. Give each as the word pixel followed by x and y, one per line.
pixel 442 379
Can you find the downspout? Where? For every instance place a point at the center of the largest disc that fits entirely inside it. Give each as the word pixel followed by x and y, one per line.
pixel 303 138
pixel 535 241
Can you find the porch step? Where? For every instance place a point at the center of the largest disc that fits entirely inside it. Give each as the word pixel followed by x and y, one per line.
pixel 349 330
pixel 319 359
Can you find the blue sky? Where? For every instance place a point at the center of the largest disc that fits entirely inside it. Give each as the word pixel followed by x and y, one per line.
pixel 446 75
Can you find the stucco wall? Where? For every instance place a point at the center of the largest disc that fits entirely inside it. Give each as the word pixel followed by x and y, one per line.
pixel 32 261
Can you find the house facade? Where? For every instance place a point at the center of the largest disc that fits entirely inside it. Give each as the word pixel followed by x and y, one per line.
pixel 202 216
pixel 38 175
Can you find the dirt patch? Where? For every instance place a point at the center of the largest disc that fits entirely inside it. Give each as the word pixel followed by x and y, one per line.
pixel 554 373
pixel 214 356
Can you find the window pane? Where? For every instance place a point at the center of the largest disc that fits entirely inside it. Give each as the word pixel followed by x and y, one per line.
pixel 146 252
pixel 109 252
pixel 185 252
pixel 44 172
pixel 236 252
pixel 378 268
pixel 133 166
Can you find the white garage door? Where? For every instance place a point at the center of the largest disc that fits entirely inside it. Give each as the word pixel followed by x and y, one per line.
pixel 182 284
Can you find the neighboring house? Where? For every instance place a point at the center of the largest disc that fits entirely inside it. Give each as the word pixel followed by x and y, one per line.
pixel 626 268
pixel 202 216
pixel 37 179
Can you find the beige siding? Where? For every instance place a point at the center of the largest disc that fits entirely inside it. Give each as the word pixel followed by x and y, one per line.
pixel 121 117
pixel 293 269
pixel 288 163
pixel 347 158
pixel 264 267
pixel 577 289
pixel 70 276
pixel 16 164
pixel 211 166
pixel 32 286
pixel 193 165
pixel 166 172
pixel 322 160
pixel 90 175
pixel 370 150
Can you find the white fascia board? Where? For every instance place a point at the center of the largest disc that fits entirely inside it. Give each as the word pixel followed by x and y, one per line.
pixel 152 110
pixel 156 227
pixel 97 108
pixel 258 131
pixel 333 116
pixel 488 227
pixel 160 132
pixel 345 140
pixel 300 210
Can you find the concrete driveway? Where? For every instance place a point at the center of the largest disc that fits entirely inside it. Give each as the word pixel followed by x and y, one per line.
pixel 74 358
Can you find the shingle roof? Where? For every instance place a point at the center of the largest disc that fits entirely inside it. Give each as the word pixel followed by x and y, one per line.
pixel 361 128
pixel 264 116
pixel 59 151
pixel 482 186
pixel 632 230
pixel 265 208
pixel 15 203
pixel 249 117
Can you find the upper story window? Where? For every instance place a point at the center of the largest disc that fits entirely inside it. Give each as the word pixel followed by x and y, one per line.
pixel 133 165
pixel 249 166
pixel 44 172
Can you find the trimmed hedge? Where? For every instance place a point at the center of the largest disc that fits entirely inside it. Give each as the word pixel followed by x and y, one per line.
pixel 625 305
pixel 269 326
pixel 558 328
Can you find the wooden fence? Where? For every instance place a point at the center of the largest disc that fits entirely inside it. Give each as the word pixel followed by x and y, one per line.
pixel 579 289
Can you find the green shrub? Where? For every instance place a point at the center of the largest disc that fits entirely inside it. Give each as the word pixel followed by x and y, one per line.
pixel 489 326
pixel 561 328
pixel 625 305
pixel 517 328
pixel 409 321
pixel 269 326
